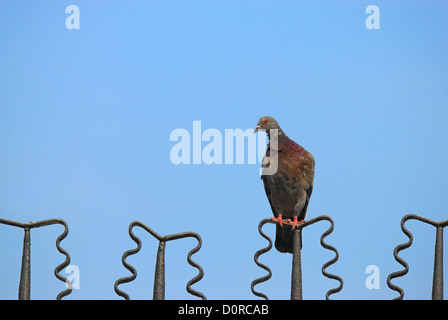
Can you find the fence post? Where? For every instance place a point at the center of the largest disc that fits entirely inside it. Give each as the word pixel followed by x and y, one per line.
pixel 159 275
pixel 437 282
pixel 296 273
pixel 25 273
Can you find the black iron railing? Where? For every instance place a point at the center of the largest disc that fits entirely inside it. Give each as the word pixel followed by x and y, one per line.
pixel 296 272
pixel 437 285
pixel 25 274
pixel 159 275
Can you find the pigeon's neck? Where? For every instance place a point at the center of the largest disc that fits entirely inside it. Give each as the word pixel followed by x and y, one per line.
pixel 283 141
pixel 275 133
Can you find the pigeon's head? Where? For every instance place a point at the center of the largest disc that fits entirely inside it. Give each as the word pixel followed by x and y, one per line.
pixel 267 124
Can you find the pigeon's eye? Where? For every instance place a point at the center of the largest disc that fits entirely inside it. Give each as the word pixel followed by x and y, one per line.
pixel 266 121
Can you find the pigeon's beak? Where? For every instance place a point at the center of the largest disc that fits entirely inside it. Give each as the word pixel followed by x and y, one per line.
pixel 257 128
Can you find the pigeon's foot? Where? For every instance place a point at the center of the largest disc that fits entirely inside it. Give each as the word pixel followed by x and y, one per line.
pixel 295 222
pixel 278 219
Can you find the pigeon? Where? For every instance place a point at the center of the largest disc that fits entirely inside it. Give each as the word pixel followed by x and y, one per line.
pixel 289 184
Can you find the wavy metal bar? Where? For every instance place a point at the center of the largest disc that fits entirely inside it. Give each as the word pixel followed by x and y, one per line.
pixel 197 266
pixel 64 264
pixel 59 268
pixel 322 242
pixel 332 261
pixel 439 225
pixel 127 265
pixel 256 256
pixel 162 239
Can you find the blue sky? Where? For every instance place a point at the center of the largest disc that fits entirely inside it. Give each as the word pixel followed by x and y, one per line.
pixel 86 117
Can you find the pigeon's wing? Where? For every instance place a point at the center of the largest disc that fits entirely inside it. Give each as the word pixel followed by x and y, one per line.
pixel 268 185
pixel 305 167
pixel 295 183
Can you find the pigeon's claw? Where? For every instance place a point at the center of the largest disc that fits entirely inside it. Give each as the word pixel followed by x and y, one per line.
pixel 296 223
pixel 278 219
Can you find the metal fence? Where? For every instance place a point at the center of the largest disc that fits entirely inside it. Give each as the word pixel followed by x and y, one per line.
pixel 437 283
pixel 159 274
pixel 296 272
pixel 25 273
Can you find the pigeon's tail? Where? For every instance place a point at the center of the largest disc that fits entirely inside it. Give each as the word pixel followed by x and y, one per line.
pixel 283 239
